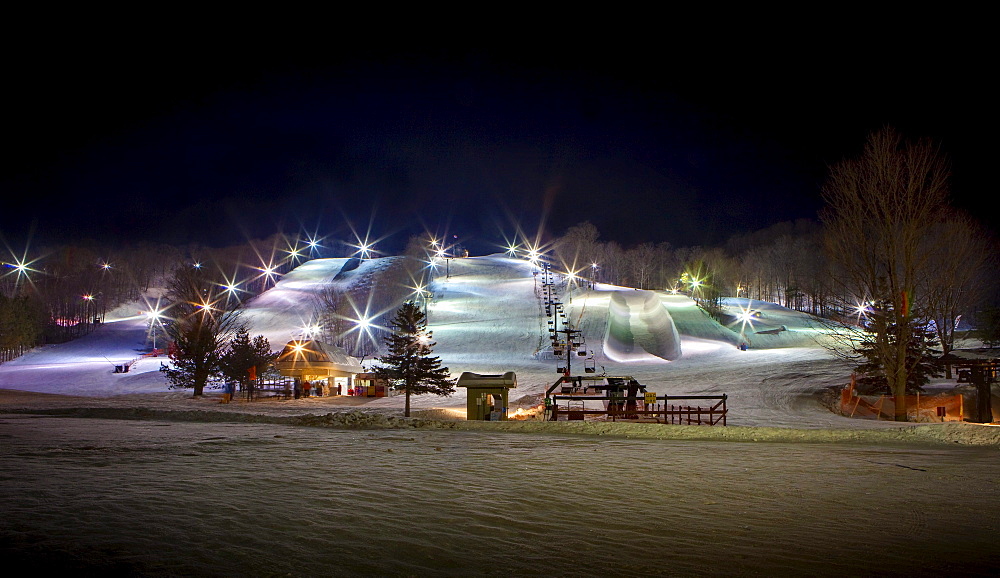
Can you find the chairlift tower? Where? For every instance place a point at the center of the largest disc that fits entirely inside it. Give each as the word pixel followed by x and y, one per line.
pixel 570 334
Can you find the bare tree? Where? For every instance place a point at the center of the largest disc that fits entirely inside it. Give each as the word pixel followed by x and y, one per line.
pixel 356 315
pixel 881 209
pixel 578 248
pixel 959 254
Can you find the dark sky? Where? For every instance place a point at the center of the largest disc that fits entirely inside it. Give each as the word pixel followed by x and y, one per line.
pixel 647 142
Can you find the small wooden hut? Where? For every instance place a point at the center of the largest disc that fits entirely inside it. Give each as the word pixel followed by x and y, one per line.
pixel 487 395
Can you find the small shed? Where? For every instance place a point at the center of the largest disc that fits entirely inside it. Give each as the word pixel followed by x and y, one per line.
pixel 315 361
pixel 487 395
pixel 370 385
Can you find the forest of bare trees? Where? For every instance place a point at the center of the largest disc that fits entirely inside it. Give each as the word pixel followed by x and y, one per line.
pixel 782 264
pixel 358 320
pixel 55 294
pixel 52 294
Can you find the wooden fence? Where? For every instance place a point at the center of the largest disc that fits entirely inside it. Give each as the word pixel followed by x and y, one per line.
pixel 574 407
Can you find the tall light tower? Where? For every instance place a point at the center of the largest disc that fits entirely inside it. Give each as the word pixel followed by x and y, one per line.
pixel 154 320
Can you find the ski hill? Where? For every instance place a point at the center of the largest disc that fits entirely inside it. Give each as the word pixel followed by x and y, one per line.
pixel 487 316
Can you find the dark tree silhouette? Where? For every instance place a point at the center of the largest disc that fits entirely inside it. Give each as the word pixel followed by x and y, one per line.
pixel 203 324
pixel 881 209
pixel 246 359
pixel 408 366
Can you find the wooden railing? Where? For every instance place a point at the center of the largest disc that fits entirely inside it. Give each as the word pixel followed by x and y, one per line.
pixel 635 409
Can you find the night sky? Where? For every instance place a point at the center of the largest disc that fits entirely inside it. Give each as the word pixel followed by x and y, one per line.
pixel 647 142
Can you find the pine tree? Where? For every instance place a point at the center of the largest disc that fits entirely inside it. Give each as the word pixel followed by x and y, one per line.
pixel 202 325
pixel 409 366
pixel 882 333
pixel 242 356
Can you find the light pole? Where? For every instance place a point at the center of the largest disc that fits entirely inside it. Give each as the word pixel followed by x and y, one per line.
pixel 154 321
pixel 571 280
pixel 425 296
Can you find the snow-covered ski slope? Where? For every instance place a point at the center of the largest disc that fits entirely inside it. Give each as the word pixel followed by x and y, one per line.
pixel 487 316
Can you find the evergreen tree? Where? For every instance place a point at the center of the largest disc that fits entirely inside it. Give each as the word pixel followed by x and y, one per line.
pixel 881 333
pixel 245 359
pixel 409 366
pixel 202 327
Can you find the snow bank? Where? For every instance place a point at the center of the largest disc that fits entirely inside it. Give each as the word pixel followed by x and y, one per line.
pixel 179 409
pixel 638 327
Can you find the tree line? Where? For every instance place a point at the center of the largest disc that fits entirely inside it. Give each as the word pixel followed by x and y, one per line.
pixel 53 294
pixel 890 265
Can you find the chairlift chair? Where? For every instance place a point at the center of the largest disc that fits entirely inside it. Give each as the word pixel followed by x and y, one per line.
pixel 589 366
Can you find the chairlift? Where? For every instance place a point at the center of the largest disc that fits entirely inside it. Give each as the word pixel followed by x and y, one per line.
pixel 589 366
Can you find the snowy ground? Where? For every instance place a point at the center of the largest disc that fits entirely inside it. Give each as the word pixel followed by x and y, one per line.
pixel 113 474
pixel 152 497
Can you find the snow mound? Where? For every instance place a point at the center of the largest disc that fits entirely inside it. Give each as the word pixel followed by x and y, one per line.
pixel 639 327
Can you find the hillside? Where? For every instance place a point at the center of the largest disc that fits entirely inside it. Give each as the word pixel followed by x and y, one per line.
pixel 487 316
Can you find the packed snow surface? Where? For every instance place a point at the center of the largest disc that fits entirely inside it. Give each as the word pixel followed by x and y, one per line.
pixel 120 475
